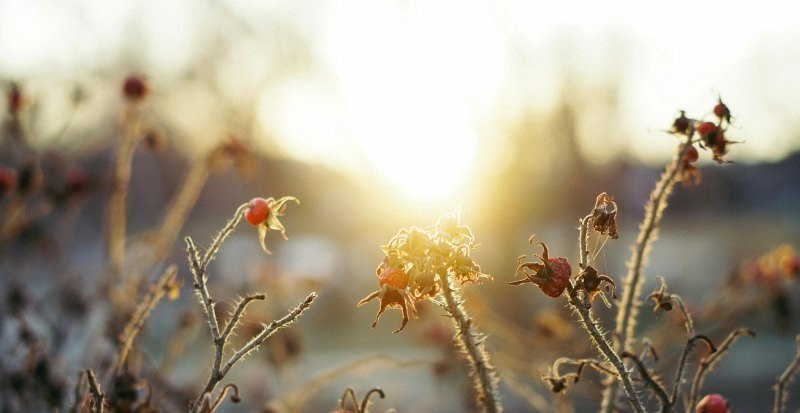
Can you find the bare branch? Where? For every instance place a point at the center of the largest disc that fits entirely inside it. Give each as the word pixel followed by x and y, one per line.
pixel 654 385
pixel 97 394
pixel 707 364
pixel 783 381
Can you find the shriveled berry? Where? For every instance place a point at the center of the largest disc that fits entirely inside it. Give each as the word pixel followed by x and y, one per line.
pixel 722 111
pixel 712 403
pixel 134 88
pixel 551 275
pixel 559 278
pixel 681 123
pixel 691 155
pixel 8 179
pixel 257 211
pixel 393 277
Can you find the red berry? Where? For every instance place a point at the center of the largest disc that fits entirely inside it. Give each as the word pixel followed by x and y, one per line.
pixel 394 277
pixel 722 111
pixel 691 155
pixel 257 211
pixel 8 179
pixel 134 88
pixel 681 123
pixel 706 127
pixel 712 403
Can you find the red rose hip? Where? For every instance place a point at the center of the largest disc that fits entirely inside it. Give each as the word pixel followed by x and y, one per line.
pixel 257 211
pixel 712 403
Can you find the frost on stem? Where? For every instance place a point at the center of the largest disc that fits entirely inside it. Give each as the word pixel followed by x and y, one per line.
pixel 711 137
pixel 434 264
pixel 198 265
pixel 557 269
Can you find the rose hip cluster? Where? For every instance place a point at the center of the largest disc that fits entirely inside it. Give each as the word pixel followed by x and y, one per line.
pixel 710 135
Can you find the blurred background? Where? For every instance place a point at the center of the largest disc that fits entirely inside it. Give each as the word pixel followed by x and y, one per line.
pixel 380 115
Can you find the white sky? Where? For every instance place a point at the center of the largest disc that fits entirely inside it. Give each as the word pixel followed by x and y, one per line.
pixel 432 79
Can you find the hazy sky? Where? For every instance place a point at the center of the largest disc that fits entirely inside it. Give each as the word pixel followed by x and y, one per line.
pixel 430 79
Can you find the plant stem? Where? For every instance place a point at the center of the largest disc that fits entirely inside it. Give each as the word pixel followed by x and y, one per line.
pixel 602 345
pixel 708 363
pixel 783 380
pixel 119 193
pixel 470 341
pixel 648 232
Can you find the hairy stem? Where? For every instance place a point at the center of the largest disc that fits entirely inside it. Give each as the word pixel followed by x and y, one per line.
pixel 471 342
pixel 648 232
pixel 649 381
pixel 783 381
pixel 676 385
pixel 602 345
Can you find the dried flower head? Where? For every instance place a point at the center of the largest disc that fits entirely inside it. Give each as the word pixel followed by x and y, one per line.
pixel 590 282
pixel 417 260
pixel 604 215
pixel 551 275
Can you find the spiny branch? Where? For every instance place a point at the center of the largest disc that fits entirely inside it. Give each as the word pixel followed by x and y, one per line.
pixel 676 385
pixel 98 397
pixel 654 385
pixel 648 231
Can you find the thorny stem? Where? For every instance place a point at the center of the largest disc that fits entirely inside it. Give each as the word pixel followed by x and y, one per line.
pixel 590 324
pixel 219 371
pixel 149 302
pixel 471 342
pixel 676 385
pixel 119 193
pixel 784 379
pixel 648 231
pixel 707 364
pixel 222 235
pixel 654 385
pixel 97 395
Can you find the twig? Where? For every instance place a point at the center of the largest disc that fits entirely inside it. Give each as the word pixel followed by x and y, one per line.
pixel 654 385
pixel 602 345
pixel 470 341
pixel 682 364
pixel 590 324
pixel 648 232
pixel 783 381
pixel 139 317
pixel 119 193
pixel 222 235
pixel 97 394
pixel 707 364
pixel 234 397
